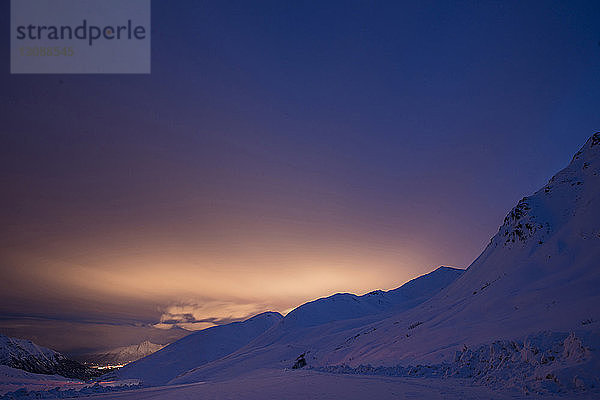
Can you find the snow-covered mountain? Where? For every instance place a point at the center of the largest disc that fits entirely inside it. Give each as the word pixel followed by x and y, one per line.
pixel 525 313
pixel 541 271
pixel 196 349
pixel 124 355
pixel 320 323
pixel 26 355
pixel 342 306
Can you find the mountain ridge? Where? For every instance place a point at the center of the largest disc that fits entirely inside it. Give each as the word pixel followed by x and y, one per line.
pixel 340 306
pixel 299 332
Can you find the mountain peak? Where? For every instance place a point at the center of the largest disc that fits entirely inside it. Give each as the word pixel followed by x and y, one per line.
pixel 534 219
pixel 591 145
pixel 585 161
pixel 267 315
pixel 446 268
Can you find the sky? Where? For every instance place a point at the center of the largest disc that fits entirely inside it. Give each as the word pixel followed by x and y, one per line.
pixel 277 153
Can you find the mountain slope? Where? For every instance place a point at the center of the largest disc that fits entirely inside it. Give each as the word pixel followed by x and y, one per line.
pixel 320 323
pixel 196 349
pixel 26 355
pixel 541 271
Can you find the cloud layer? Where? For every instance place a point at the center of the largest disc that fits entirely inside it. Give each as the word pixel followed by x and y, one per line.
pixel 201 316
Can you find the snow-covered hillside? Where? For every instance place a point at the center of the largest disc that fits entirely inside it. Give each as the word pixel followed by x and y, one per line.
pixel 541 271
pixel 123 355
pixel 320 323
pixel 12 379
pixel 196 349
pixel 26 355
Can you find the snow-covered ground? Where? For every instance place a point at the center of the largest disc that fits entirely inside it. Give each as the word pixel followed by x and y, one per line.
pixel 267 384
pixel 303 385
pixel 12 379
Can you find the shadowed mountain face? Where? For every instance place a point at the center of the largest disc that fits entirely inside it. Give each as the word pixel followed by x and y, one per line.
pixel 26 355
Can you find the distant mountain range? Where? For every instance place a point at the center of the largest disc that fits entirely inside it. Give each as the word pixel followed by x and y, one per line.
pixel 122 355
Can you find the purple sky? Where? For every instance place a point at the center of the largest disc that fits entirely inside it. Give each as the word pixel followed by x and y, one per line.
pixel 278 152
